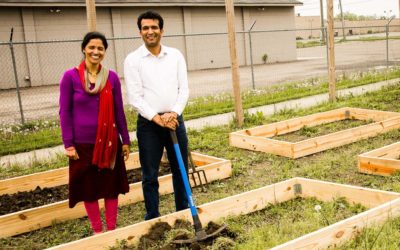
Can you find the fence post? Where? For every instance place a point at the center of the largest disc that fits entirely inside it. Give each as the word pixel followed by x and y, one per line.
pixel 387 41
pixel 387 46
pixel 251 56
pixel 16 76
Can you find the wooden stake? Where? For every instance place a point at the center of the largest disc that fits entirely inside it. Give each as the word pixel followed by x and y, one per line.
pixel 91 14
pixel 230 17
pixel 331 54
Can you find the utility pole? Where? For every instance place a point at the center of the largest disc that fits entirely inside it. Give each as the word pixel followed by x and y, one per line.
pixel 341 15
pixel 331 54
pixel 230 17
pixel 91 14
pixel 321 6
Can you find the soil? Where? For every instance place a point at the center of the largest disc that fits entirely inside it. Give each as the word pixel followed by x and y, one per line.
pixel 162 235
pixel 10 203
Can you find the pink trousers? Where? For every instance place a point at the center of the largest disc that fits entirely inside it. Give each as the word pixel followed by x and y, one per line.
pixel 93 212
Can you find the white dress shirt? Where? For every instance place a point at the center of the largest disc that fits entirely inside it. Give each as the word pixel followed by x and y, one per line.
pixel 156 84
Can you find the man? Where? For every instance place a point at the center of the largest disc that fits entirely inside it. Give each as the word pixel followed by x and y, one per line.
pixel 156 80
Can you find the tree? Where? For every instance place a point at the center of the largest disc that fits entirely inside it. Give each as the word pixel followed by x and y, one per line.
pixel 354 17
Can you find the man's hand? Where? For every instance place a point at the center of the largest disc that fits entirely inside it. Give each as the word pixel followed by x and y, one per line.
pixel 71 153
pixel 170 120
pixel 125 151
pixel 167 120
pixel 157 120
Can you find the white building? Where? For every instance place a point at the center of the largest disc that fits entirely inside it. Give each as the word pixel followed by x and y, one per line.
pixel 42 20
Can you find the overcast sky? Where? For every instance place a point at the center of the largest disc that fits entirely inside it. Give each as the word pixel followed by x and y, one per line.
pixel 359 7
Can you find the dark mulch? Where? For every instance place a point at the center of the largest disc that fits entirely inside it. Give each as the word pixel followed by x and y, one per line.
pixel 10 203
pixel 156 238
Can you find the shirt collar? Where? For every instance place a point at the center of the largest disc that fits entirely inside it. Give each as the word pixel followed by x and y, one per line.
pixel 146 52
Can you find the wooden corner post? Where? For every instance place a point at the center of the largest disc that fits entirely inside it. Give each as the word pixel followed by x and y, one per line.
pixel 91 14
pixel 230 17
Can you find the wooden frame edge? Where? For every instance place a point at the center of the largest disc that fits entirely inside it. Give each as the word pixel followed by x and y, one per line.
pixel 320 143
pixel 233 205
pixel 259 199
pixel 35 218
pixel 380 161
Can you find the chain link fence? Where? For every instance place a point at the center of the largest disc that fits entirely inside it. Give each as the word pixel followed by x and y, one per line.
pixel 29 84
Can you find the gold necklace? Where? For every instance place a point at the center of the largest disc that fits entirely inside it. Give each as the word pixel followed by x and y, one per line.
pixel 93 74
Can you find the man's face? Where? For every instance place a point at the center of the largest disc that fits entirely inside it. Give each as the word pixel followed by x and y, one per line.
pixel 151 32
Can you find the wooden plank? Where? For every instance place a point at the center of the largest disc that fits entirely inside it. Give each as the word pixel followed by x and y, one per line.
pixel 327 191
pixel 35 218
pixel 340 138
pixel 49 178
pixel 57 177
pixel 243 203
pixel 391 151
pixel 382 161
pixel 368 114
pixel 337 139
pixel 342 231
pixel 261 144
pixel 294 124
pixel 259 199
pixel 251 138
pixel 378 166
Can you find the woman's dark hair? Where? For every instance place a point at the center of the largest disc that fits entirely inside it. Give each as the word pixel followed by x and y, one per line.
pixel 150 15
pixel 94 35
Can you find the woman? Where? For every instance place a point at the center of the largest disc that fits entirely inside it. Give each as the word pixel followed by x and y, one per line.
pixel 92 118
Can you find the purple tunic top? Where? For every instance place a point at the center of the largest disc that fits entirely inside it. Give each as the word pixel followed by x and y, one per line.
pixel 79 111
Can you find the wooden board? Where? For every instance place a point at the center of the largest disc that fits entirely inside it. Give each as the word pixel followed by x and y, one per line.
pixel 259 138
pixel 51 178
pixel 261 198
pixel 58 177
pixel 382 161
pixel 35 218
pixel 235 205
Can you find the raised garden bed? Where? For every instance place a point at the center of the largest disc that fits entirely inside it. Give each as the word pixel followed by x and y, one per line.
pixel 51 178
pixel 35 218
pixel 383 161
pixel 261 138
pixel 381 204
pixel 10 203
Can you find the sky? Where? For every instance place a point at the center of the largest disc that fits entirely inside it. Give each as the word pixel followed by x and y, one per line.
pixel 359 7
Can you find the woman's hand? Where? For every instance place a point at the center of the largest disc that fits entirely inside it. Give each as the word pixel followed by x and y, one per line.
pixel 71 153
pixel 125 151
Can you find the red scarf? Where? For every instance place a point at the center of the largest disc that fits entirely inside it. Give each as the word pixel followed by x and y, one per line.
pixel 105 149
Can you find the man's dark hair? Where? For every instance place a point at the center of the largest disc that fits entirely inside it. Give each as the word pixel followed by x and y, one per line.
pixel 150 15
pixel 94 35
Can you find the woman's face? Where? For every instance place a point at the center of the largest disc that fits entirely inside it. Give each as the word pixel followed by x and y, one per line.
pixel 94 51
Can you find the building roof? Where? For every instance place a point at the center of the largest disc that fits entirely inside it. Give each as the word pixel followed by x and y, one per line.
pixel 149 3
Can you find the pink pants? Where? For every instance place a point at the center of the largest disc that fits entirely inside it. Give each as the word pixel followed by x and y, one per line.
pixel 93 212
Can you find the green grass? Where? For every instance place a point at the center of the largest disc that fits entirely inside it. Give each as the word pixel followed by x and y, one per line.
pixel 301 45
pixel 386 236
pixel 288 220
pixel 26 138
pixel 253 170
pixel 307 132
